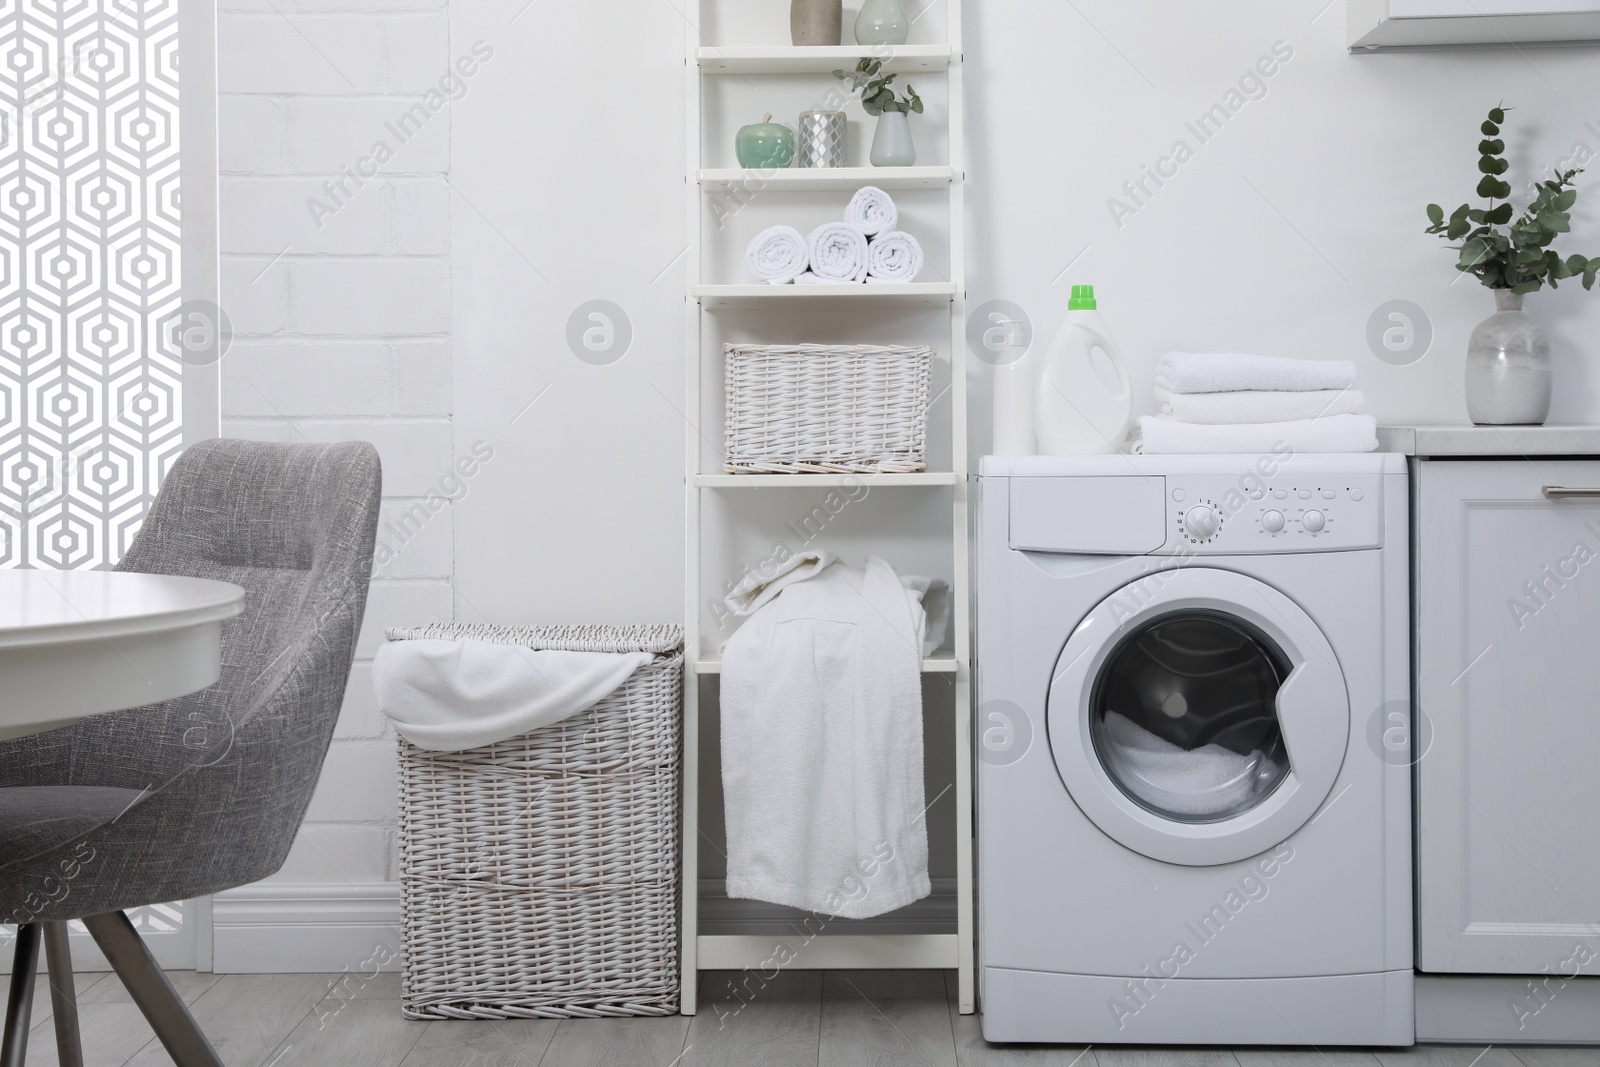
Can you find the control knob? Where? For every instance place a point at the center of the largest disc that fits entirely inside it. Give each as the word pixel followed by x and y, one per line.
pixel 1272 521
pixel 1313 521
pixel 1201 522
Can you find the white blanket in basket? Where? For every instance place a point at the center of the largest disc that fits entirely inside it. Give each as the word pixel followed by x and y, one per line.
pixel 447 696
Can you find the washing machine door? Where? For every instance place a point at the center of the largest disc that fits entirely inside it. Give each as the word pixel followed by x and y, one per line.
pixel 1198 716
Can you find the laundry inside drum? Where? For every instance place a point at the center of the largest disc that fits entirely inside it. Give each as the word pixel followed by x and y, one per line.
pixel 1183 716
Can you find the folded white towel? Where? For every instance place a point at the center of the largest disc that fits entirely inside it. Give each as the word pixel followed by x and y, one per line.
pixel 446 696
pixel 1333 433
pixel 822 745
pixel 1253 406
pixel 872 211
pixel 777 254
pixel 838 253
pixel 1210 780
pixel 1224 372
pixel 894 257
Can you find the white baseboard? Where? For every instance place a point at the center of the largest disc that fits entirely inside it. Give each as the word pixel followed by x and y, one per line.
pixel 294 928
pixel 286 928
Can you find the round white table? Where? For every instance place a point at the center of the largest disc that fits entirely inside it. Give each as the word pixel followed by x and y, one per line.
pixel 78 643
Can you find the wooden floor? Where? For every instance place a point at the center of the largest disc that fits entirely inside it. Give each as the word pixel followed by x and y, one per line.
pixel 849 1018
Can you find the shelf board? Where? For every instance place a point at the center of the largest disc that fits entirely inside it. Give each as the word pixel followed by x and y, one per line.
pixel 818 179
pixel 929 294
pixel 819 59
pixel 821 481
pixel 941 662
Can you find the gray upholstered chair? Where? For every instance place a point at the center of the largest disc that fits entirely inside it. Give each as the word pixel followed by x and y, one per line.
pixel 205 792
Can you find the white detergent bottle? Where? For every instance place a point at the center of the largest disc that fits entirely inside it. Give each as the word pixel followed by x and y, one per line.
pixel 1015 386
pixel 1083 403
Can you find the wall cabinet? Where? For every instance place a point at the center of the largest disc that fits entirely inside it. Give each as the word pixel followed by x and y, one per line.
pixel 1507 738
pixel 1379 24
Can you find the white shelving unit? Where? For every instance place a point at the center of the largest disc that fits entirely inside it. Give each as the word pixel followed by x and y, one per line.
pixel 718 306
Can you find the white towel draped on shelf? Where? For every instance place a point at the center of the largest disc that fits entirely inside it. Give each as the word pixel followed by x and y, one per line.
pixel 448 696
pixel 1224 372
pixel 838 253
pixel 872 211
pixel 777 254
pixel 1249 405
pixel 822 738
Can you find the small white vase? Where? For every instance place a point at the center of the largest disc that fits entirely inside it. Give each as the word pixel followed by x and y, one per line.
pixel 1508 367
pixel 891 144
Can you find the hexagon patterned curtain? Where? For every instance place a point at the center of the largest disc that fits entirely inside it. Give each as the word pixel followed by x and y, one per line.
pixel 90 402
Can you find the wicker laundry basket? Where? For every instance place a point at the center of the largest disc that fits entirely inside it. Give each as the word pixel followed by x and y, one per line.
pixel 826 409
pixel 539 875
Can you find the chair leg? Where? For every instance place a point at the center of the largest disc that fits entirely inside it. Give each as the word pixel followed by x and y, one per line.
pixel 63 994
pixel 167 1014
pixel 19 1002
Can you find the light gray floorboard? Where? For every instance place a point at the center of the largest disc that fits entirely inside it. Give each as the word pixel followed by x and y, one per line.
pixel 886 1018
pixel 1447 1056
pixel 354 985
pixel 609 1042
pixel 1558 1057
pixel 247 1016
pixel 1164 1057
pixel 43 1010
pixel 111 1035
pixel 361 1033
pixel 973 1051
pixel 746 1021
pixel 1304 1057
pixel 512 1043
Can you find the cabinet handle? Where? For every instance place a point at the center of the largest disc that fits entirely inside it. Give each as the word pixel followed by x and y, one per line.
pixel 1562 492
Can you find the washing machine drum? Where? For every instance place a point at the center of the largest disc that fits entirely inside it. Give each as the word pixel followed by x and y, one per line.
pixel 1198 716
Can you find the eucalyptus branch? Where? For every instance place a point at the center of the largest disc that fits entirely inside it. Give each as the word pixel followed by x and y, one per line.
pixel 1506 254
pixel 876 94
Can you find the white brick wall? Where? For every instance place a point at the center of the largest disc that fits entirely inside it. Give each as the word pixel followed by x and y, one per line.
pixel 342 323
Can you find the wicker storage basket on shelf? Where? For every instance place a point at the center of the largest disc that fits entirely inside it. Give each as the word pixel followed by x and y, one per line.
pixel 539 875
pixel 826 409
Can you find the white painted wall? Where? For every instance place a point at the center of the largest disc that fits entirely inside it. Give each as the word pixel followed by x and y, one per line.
pixel 567 154
pixel 343 328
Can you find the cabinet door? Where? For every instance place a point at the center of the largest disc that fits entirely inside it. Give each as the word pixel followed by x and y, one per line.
pixel 1508 678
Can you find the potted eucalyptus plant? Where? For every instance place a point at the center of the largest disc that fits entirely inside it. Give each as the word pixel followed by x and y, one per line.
pixel 1508 356
pixel 891 143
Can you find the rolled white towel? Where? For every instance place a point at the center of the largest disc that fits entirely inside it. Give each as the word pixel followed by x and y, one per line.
pixel 893 257
pixel 838 253
pixel 808 278
pixel 1226 372
pixel 1334 433
pixel 1253 406
pixel 777 254
pixel 872 211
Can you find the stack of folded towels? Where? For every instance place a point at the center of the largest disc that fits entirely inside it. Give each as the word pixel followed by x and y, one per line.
pixel 1227 402
pixel 865 247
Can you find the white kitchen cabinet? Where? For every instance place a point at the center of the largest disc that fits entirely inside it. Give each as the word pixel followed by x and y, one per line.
pixel 1507 742
pixel 1382 24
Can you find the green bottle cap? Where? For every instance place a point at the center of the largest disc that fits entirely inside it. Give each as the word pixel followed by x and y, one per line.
pixel 1082 299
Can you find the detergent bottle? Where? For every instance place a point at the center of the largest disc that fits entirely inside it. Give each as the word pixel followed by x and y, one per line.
pixel 1016 384
pixel 1082 402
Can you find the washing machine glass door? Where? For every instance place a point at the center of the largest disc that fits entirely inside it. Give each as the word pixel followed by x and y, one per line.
pixel 1198 716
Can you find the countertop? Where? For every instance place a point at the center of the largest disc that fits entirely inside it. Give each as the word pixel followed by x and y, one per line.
pixel 1468 440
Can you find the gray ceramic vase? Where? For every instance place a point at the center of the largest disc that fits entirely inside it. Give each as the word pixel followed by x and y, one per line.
pixel 1508 367
pixel 814 22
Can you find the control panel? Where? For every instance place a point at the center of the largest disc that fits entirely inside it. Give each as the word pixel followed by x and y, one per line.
pixel 1292 513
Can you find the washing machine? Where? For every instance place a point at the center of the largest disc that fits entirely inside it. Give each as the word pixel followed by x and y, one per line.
pixel 1194 798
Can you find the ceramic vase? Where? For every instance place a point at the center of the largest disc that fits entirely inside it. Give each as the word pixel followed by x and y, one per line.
pixel 814 22
pixel 882 22
pixel 1508 367
pixel 891 144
